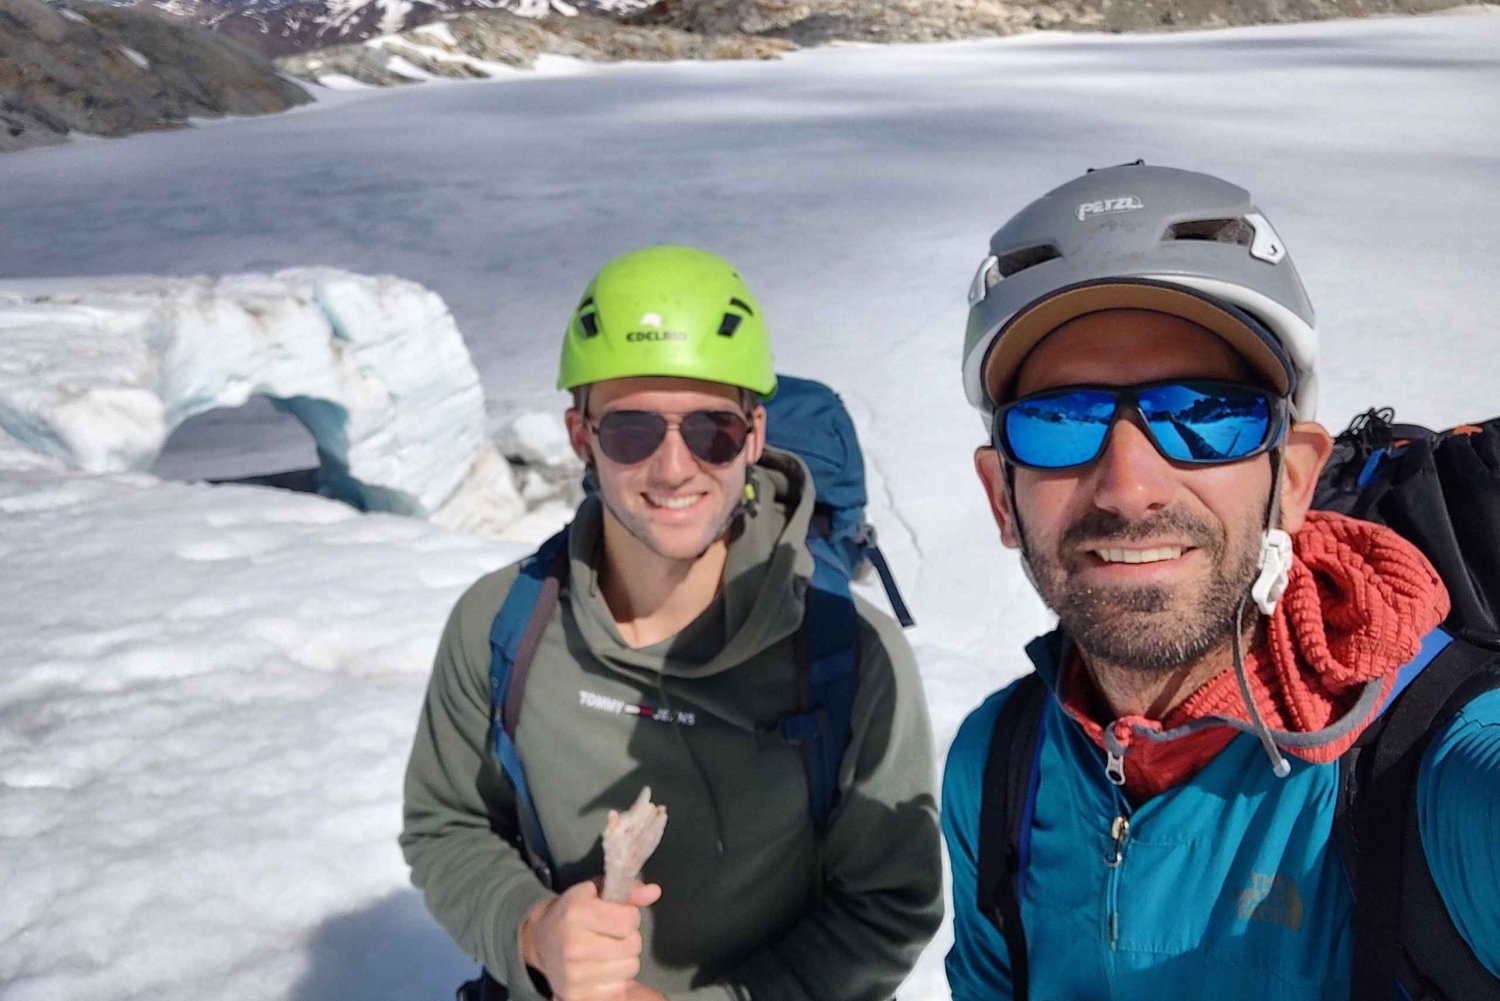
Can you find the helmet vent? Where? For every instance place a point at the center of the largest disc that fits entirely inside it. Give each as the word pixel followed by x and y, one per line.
pixel 742 305
pixel 1236 231
pixel 588 317
pixel 730 324
pixel 1019 260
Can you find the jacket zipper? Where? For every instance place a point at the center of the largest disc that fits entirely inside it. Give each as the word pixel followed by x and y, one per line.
pixel 1119 836
pixel 1119 833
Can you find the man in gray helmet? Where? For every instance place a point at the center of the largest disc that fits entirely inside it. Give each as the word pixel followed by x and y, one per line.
pixel 1152 813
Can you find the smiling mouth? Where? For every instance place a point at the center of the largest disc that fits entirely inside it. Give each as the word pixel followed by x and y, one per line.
pixel 1159 554
pixel 673 503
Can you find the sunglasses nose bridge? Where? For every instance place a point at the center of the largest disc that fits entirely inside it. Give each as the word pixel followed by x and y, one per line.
pixel 671 458
pixel 1131 476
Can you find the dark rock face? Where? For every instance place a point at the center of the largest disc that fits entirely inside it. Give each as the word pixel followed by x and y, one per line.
pixel 108 71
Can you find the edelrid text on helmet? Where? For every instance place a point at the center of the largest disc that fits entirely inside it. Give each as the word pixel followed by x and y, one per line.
pixel 1142 237
pixel 669 311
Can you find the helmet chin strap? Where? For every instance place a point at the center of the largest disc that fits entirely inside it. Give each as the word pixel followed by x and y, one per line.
pixel 1275 559
pixel 1275 563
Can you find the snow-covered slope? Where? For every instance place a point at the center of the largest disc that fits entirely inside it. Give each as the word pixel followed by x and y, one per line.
pixel 202 719
pixel 206 694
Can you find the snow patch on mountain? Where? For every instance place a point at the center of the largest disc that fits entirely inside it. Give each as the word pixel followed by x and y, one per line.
pixel 135 57
pixel 96 375
pixel 283 27
pixel 488 43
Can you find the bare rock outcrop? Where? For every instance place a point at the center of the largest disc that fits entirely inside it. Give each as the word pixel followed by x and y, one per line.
pixel 110 71
pixel 811 22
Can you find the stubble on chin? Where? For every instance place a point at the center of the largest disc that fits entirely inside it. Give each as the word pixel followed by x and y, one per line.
pixel 639 527
pixel 1151 628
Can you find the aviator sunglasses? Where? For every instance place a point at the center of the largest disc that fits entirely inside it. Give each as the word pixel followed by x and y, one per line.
pixel 630 436
pixel 1190 421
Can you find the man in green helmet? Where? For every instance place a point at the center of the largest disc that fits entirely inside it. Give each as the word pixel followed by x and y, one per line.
pixel 669 661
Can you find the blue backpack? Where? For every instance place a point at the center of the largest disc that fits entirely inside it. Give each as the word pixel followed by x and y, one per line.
pixel 808 418
pixel 804 417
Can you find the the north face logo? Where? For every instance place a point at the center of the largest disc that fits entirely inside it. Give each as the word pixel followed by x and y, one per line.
pixel 1272 898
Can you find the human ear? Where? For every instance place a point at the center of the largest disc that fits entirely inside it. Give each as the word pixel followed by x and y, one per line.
pixel 578 435
pixel 757 443
pixel 992 475
pixel 1303 454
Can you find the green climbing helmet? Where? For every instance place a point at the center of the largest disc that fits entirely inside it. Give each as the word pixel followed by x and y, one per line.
pixel 668 311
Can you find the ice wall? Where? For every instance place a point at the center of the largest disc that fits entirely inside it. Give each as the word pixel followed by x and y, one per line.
pixel 97 374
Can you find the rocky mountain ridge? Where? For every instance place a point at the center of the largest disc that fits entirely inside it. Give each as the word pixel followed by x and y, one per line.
pixel 109 71
pixel 479 43
pixel 813 22
pixel 282 27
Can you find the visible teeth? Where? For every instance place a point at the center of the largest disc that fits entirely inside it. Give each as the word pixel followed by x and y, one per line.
pixel 674 503
pixel 1140 555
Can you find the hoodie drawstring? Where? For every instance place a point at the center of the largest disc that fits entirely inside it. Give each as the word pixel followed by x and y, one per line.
pixel 1279 764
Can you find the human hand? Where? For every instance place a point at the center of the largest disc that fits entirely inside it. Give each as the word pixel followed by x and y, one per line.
pixel 637 991
pixel 587 948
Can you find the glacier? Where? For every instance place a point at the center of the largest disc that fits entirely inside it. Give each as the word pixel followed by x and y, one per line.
pixel 96 375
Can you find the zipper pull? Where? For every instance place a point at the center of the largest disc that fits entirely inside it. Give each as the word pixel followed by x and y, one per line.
pixel 1114 767
pixel 1120 831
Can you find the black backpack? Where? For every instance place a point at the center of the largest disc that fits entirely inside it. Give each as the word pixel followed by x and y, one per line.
pixel 1441 490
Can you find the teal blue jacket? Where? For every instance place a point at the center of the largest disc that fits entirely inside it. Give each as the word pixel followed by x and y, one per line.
pixel 1227 887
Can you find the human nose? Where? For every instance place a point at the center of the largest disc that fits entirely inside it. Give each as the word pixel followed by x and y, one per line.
pixel 674 461
pixel 1131 477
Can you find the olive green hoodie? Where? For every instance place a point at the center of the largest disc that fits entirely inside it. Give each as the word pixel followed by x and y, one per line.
pixel 754 904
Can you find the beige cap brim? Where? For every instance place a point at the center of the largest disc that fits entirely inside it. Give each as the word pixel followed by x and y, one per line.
pixel 1029 327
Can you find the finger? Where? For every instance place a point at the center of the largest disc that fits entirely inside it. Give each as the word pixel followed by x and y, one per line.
pixel 587 890
pixel 609 920
pixel 586 948
pixel 644 894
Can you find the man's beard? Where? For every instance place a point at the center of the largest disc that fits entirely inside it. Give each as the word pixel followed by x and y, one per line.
pixel 1147 627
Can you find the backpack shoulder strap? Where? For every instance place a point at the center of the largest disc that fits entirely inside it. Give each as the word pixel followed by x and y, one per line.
pixel 827 659
pixel 1011 777
pixel 1402 931
pixel 869 548
pixel 514 636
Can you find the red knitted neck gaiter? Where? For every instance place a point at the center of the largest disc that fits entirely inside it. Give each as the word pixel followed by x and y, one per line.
pixel 1359 599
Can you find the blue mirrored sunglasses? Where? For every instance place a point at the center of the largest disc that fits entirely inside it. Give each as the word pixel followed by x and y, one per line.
pixel 1192 421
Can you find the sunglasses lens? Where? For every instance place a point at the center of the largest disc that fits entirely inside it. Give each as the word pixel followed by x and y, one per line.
pixel 1206 422
pixel 630 436
pixel 1058 430
pixel 715 436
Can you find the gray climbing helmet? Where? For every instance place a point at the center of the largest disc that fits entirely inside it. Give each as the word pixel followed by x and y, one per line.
pixel 1141 237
